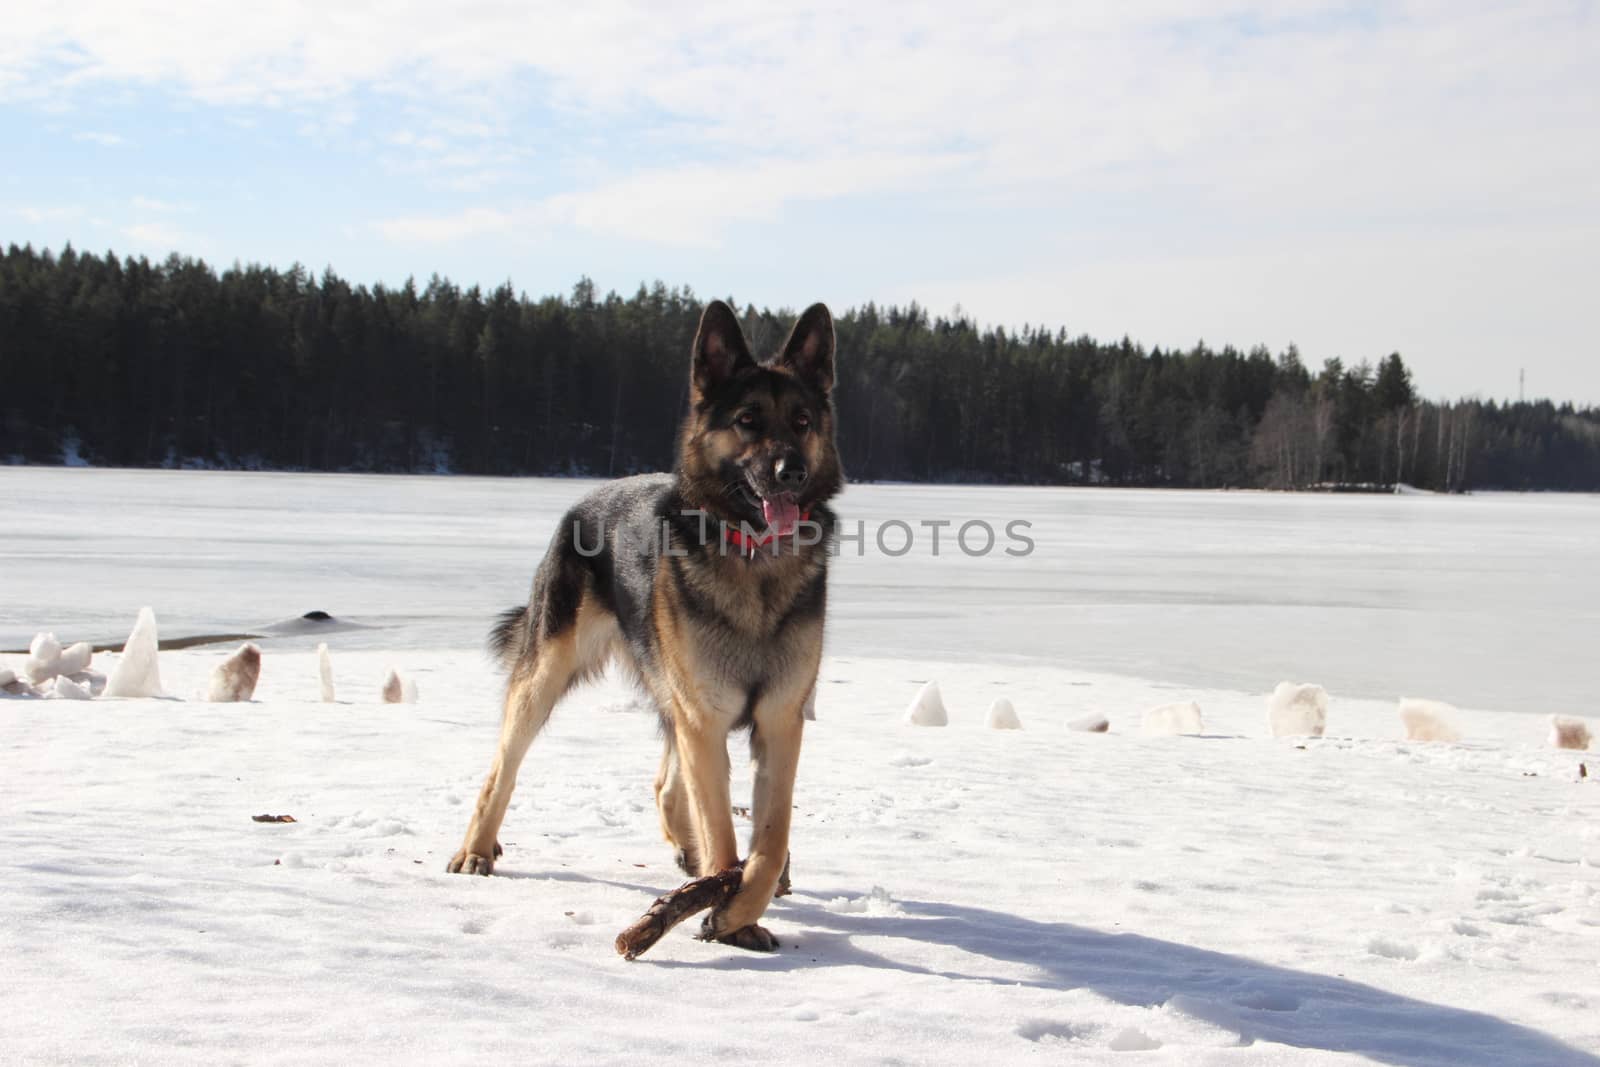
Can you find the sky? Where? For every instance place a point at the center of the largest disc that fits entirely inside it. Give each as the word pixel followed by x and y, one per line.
pixel 1353 179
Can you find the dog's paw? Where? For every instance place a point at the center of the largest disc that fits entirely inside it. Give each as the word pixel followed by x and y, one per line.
pixel 755 938
pixel 465 862
pixel 686 862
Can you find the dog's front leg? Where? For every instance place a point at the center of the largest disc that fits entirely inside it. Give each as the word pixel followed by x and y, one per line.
pixel 775 747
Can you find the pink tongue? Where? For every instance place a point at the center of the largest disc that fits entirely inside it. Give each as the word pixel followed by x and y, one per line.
pixel 782 514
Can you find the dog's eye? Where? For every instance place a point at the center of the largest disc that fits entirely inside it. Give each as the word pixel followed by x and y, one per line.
pixel 802 421
pixel 747 419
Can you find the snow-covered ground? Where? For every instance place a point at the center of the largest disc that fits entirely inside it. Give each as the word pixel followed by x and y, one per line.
pixel 962 894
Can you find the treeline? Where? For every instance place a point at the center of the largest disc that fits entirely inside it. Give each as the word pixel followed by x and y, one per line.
pixel 124 362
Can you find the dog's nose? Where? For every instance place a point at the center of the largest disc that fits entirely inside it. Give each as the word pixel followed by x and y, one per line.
pixel 791 473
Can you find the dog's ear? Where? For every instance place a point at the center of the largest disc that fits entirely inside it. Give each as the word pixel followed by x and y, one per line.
pixel 809 350
pixel 719 348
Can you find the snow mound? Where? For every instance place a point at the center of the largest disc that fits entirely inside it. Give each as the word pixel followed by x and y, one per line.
pixel 235 678
pixel 64 688
pixel 1002 716
pixel 1297 710
pixel 1428 720
pixel 1090 724
pixel 325 668
pixel 1568 733
pixel 928 708
pixel 1169 720
pixel 138 672
pixel 879 901
pixel 398 690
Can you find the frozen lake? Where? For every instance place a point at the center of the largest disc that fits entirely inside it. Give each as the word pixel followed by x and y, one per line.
pixel 1488 601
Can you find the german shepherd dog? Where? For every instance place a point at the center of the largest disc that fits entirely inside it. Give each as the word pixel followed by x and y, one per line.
pixel 709 585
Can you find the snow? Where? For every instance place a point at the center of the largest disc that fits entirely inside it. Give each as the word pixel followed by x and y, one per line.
pixel 64 688
pixel 1569 733
pixel 1002 716
pixel 961 895
pixel 138 669
pixel 1428 720
pixel 1170 720
pixel 1091 724
pixel 927 707
pixel 1297 710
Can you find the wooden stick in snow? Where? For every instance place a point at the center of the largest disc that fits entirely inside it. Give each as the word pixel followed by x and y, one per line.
pixel 670 910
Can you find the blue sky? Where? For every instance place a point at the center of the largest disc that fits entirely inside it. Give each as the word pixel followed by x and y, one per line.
pixel 1354 179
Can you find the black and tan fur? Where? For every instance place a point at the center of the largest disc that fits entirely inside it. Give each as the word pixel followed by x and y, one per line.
pixel 722 638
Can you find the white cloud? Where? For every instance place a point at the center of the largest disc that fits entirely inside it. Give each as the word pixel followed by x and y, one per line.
pixel 160 238
pixel 108 140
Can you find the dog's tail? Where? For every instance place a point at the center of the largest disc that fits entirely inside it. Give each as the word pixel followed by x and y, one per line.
pixel 509 636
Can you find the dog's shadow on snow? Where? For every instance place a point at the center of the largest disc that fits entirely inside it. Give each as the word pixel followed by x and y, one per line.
pixel 1259 1001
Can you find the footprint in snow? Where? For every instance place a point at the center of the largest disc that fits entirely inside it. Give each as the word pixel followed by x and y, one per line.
pixel 1393 950
pixel 1051 1030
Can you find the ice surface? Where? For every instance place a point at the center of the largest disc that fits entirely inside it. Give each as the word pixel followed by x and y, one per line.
pixel 1369 596
pixel 1568 733
pixel 1297 710
pixel 1428 720
pixel 138 670
pixel 325 672
pixel 927 709
pixel 1172 719
pixel 1002 716
pixel 235 678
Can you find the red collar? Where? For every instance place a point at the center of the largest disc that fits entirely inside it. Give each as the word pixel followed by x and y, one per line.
pixel 734 536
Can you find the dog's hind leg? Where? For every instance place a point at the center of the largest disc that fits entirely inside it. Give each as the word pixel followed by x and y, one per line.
pixel 538 680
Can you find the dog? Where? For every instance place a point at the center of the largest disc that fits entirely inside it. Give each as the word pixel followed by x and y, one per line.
pixel 709 585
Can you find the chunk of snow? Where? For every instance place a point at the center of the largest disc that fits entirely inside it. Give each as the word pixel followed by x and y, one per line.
pixel 1002 716
pixel 64 688
pixel 325 668
pixel 928 708
pixel 138 672
pixel 44 658
pixel 7 676
pixel 94 681
pixel 1569 733
pixel 397 690
pixel 75 659
pixel 1172 719
pixel 235 677
pixel 1090 724
pixel 1297 710
pixel 1428 720
pixel 809 711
